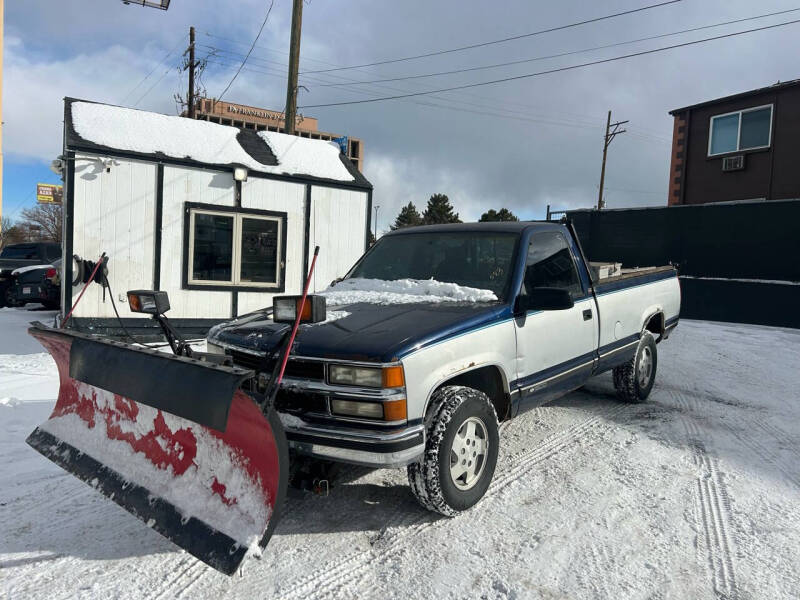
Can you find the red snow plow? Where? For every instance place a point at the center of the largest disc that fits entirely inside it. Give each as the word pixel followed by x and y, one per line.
pixel 178 440
pixel 173 440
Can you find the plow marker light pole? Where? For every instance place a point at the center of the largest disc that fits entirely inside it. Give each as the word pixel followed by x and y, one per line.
pixel 296 322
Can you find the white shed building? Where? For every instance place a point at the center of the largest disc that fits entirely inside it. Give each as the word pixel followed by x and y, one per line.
pixel 160 196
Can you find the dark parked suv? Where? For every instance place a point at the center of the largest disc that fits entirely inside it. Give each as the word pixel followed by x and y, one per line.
pixel 30 272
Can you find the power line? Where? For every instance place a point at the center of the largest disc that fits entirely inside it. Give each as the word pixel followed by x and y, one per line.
pixel 561 54
pixel 556 70
pixel 159 63
pixel 269 10
pixel 497 112
pixel 508 101
pixel 508 39
pixel 150 89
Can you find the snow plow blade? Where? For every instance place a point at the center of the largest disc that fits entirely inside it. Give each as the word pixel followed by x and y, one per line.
pixel 172 440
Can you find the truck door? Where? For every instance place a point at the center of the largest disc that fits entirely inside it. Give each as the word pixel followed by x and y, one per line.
pixel 555 348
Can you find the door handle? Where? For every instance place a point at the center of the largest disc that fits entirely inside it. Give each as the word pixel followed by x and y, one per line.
pixel 587 314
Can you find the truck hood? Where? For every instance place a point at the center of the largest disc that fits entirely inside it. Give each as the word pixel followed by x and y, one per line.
pixel 362 331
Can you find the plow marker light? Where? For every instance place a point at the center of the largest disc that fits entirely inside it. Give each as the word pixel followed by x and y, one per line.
pixel 173 440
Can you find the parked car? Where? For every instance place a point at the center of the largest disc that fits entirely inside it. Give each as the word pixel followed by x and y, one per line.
pixel 37 283
pixel 19 256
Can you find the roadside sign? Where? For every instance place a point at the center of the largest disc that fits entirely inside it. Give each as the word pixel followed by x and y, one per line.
pixel 49 193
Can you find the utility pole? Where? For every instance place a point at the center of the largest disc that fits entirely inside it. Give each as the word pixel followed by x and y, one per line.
pixel 294 64
pixel 610 134
pixel 191 73
pixel 376 207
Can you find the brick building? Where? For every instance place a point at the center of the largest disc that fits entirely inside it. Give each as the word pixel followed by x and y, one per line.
pixel 741 147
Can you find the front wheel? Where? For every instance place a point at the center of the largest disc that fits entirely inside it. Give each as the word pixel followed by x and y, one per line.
pixel 634 380
pixel 460 451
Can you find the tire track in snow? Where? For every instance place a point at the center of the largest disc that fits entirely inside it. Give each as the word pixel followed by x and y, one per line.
pixel 713 507
pixel 764 453
pixel 337 574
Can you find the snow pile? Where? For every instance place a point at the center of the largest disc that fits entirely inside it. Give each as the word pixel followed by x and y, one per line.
pixel 402 291
pixel 304 156
pixel 9 402
pixel 330 317
pixel 147 132
pixel 244 520
pixel 22 270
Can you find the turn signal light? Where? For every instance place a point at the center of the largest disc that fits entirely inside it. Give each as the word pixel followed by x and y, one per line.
pixel 394 377
pixel 395 410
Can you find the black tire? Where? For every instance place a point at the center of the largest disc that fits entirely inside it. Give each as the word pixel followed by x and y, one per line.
pixel 430 478
pixel 634 380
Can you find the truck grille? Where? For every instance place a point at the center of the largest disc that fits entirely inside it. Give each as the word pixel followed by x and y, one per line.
pixel 303 369
pixel 301 402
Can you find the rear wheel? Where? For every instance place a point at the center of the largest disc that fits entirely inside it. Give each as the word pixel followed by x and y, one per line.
pixel 634 380
pixel 460 451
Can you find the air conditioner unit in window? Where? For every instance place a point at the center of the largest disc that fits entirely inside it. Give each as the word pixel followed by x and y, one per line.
pixel 733 163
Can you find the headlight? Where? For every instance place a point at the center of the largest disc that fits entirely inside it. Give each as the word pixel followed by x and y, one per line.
pixel 363 376
pixel 376 377
pixel 390 410
pixel 148 301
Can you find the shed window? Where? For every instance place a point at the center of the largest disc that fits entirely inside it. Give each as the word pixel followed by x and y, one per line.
pixel 741 130
pixel 235 248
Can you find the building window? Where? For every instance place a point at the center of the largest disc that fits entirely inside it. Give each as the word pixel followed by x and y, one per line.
pixel 741 130
pixel 231 248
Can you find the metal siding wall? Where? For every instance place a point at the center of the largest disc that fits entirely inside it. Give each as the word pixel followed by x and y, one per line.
pixel 282 196
pixel 749 240
pixel 190 185
pixel 752 240
pixel 114 213
pixel 338 223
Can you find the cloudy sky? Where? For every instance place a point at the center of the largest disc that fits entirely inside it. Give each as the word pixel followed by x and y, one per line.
pixel 521 144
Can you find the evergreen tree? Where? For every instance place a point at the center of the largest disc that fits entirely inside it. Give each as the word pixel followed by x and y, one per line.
pixel 439 210
pixel 409 217
pixel 498 215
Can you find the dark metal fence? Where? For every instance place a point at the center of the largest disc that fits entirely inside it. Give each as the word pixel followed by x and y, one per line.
pixel 716 247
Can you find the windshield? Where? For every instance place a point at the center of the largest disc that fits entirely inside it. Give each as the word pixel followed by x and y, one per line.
pixel 467 258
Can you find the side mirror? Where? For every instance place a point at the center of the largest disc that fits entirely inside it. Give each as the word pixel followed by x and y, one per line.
pixel 544 299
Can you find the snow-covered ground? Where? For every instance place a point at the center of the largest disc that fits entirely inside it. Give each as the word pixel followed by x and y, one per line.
pixel 695 494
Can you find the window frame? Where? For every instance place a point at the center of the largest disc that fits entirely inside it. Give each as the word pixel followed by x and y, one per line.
pixel 237 213
pixel 740 112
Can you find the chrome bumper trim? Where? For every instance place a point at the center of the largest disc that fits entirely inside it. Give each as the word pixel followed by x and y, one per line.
pixel 400 458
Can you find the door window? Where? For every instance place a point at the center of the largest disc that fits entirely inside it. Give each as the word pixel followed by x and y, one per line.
pixel 550 265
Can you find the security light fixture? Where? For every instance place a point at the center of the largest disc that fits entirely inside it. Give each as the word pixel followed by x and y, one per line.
pixel 162 4
pixel 240 174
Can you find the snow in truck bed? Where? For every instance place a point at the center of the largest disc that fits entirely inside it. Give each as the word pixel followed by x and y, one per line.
pixel 693 494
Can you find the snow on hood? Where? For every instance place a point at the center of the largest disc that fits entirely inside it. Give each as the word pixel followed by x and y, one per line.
pixel 22 270
pixel 148 132
pixel 402 291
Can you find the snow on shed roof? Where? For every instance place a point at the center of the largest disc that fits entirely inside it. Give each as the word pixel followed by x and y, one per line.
pixel 110 128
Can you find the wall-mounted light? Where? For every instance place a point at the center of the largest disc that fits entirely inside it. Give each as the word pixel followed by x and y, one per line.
pixel 240 174
pixel 108 163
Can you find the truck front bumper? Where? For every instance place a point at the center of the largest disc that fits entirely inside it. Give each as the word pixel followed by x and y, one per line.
pixel 356 446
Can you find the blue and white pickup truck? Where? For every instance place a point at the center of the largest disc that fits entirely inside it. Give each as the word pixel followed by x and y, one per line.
pixel 440 333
